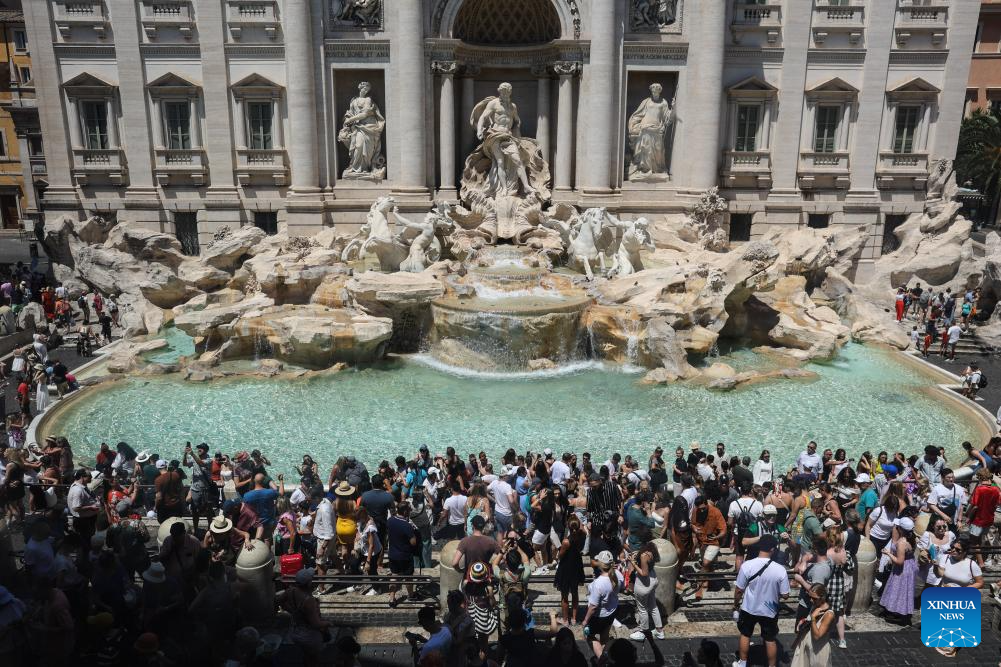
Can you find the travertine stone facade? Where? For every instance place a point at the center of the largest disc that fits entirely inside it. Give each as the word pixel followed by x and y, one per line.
pixel 192 115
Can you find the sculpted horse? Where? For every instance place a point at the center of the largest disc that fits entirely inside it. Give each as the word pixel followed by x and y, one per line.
pixel 376 236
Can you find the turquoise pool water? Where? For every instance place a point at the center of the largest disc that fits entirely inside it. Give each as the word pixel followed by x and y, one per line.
pixel 179 344
pixel 863 401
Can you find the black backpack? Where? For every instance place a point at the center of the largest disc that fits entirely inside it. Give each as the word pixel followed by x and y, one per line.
pixel 744 519
pixel 983 380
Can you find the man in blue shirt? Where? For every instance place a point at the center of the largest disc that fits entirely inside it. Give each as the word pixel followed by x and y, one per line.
pixel 869 499
pixel 440 639
pixel 262 501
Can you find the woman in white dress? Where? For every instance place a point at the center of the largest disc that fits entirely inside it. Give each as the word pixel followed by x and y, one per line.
pixel 41 389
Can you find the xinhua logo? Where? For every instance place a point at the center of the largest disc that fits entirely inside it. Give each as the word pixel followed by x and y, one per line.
pixel 950 617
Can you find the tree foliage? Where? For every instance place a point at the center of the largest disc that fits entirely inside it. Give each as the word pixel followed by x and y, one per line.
pixel 978 155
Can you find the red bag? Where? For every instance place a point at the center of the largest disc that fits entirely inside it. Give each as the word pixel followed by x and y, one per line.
pixel 290 564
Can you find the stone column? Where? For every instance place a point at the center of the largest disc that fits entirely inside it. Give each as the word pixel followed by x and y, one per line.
pixel 406 52
pixel 704 103
pixel 542 109
pixel 61 195
pixel 469 74
pixel 218 138
pixel 867 559
pixel 140 195
pixel 301 97
pixel 667 575
pixel 564 125
pixel 601 94
pixel 446 125
pixel 786 141
pixel 963 18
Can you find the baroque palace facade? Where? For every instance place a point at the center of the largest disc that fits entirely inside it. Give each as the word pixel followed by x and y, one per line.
pixel 190 115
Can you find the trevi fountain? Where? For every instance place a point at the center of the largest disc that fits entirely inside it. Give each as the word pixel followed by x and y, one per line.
pixel 508 320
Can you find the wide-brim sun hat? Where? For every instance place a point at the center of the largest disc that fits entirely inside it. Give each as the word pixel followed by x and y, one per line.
pixel 142 457
pixel 220 525
pixel 344 489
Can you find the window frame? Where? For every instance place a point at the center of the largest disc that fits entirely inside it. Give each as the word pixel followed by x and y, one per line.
pixel 23 32
pixel 259 102
pixel 898 142
pixel 739 126
pixel 85 135
pixel 185 136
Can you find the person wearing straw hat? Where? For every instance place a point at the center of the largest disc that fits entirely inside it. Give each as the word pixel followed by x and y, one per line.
pixel 347 523
pixel 217 541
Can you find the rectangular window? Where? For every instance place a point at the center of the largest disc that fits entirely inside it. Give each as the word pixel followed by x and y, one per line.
pixel 25 73
pixel 95 124
pixel 740 227
pixel 818 220
pixel 177 119
pixel 826 133
pixel 747 128
pixel 186 229
pixel 3 142
pixel 35 145
pixel 20 40
pixel 260 115
pixel 267 220
pixel 906 128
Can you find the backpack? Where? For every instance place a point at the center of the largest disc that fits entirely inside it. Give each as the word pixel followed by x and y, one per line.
pixel 983 380
pixel 744 519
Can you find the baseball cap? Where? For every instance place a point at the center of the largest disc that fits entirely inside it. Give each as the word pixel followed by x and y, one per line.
pixel 890 469
pixel 767 543
pixel 829 523
pixel 304 577
pixel 863 478
pixel 547 451
pixel 161 464
pixel 904 523
pixel 605 558
pixel 770 509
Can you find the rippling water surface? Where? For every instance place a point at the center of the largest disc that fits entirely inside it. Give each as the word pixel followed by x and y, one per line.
pixel 863 401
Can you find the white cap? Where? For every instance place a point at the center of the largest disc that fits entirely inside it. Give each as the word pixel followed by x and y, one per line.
pixel 769 509
pixel 863 478
pixel 547 451
pixel 829 523
pixel 433 471
pixel 905 523
pixel 161 464
pixel 605 558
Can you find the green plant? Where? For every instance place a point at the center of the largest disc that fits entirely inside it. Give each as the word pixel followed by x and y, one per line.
pixel 978 154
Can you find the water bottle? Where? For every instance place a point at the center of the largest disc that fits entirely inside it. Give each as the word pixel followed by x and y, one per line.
pixel 736 615
pixel 587 632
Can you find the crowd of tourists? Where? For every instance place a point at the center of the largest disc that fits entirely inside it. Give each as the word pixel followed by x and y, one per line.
pixel 94 590
pixel 941 317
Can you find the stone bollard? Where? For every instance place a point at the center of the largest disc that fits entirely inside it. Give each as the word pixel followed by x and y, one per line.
pixel 867 560
pixel 449 579
pixel 256 571
pixel 666 570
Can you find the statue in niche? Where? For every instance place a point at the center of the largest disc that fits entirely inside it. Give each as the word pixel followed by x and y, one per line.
pixel 653 14
pixel 648 129
pixel 362 13
pixel 505 164
pixel 362 135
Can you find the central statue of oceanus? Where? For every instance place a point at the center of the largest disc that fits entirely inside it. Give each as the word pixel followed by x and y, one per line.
pixel 506 164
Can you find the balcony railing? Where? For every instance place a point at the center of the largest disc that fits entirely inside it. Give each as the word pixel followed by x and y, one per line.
pixel 754 18
pixel 842 19
pixel 909 162
pixel 80 14
pixel 187 164
pixel 252 162
pixel 748 168
pixel 250 14
pixel 829 162
pixel 921 19
pixel 38 167
pixel 104 162
pixel 167 15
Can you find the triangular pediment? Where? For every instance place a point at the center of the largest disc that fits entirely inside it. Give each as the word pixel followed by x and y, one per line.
pixel 171 80
pixel 88 80
pixel 753 83
pixel 915 85
pixel 256 80
pixel 834 85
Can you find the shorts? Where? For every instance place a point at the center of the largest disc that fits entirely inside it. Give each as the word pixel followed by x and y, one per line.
pixel 204 502
pixel 769 625
pixel 598 625
pixel 711 554
pixel 401 567
pixel 976 531
pixel 539 539
pixel 503 522
pixel 321 551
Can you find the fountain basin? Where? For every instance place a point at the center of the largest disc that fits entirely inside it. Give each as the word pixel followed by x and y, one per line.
pixel 512 330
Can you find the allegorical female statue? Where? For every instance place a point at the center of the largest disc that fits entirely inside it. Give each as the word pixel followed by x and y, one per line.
pixel 362 135
pixel 649 127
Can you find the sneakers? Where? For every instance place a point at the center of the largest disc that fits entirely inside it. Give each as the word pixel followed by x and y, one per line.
pixel 616 624
pixel 370 592
pixel 659 634
pixel 637 636
pixel 842 644
pixel 877 584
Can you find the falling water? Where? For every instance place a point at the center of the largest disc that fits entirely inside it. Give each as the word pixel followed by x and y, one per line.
pixel 713 352
pixel 262 346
